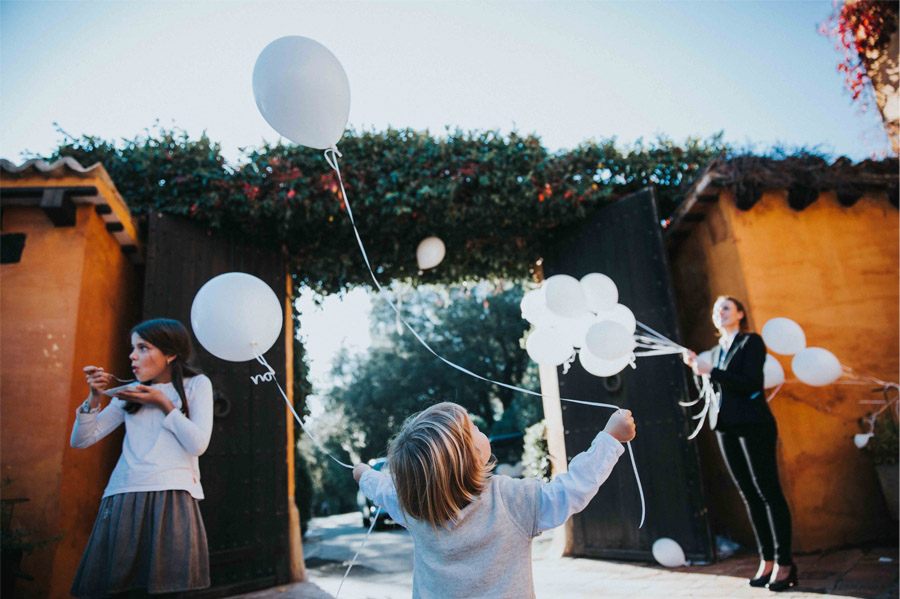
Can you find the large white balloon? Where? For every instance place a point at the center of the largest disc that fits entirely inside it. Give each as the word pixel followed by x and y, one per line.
pixel 430 252
pixel 609 340
pixel 773 373
pixel 622 314
pixel 599 367
pixel 302 91
pixel 816 366
pixel 565 296
pixel 783 336
pixel 600 291
pixel 669 553
pixel 547 347
pixel 236 317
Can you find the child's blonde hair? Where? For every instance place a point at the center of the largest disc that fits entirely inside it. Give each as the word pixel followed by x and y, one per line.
pixel 435 465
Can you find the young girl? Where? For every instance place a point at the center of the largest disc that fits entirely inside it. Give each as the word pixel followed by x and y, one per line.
pixel 472 531
pixel 149 534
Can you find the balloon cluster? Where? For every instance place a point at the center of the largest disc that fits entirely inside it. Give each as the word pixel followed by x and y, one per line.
pixel 583 317
pixel 814 366
pixel 818 367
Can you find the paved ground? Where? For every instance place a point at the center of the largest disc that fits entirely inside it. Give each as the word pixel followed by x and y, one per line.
pixel 384 571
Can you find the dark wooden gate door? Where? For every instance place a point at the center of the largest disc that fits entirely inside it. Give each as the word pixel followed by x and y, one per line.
pixel 624 241
pixel 244 469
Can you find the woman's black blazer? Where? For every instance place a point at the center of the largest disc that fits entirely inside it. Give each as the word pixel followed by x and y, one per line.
pixel 740 383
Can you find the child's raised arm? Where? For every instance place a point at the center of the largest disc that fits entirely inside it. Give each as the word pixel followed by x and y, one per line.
pixel 570 492
pixel 379 487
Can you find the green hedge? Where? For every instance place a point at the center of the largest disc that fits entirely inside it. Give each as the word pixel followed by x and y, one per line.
pixel 497 201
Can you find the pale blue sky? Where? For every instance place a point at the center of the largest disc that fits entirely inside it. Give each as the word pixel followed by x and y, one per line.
pixel 568 71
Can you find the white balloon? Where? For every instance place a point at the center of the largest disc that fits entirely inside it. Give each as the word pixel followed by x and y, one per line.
pixel 783 336
pixel 600 291
pixel 861 439
pixel 609 340
pixel 547 347
pixel 430 252
pixel 302 91
pixel 534 308
pixel 599 367
pixel 572 329
pixel 622 314
pixel 236 317
pixel 816 366
pixel 668 553
pixel 564 296
pixel 773 373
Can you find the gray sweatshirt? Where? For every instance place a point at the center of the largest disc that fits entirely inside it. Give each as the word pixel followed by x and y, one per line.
pixel 486 553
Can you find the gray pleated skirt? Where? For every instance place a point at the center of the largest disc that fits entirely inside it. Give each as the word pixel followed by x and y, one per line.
pixel 153 541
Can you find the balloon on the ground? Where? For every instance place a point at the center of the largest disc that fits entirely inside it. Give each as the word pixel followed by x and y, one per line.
pixel 783 336
pixel 302 91
pixel 773 373
pixel 861 439
pixel 547 347
pixel 600 292
pixel 430 252
pixel 236 316
pixel 621 314
pixel 609 340
pixel 816 366
pixel 564 296
pixel 599 367
pixel 668 553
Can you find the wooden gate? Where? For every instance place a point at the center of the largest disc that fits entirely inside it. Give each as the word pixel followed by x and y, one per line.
pixel 624 241
pixel 244 469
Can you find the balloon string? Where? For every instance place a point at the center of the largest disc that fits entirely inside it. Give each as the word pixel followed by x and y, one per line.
pixel 659 336
pixel 356 555
pixel 315 441
pixel 331 156
pixel 775 392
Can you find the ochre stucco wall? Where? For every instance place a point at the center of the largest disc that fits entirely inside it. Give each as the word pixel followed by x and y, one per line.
pixel 834 270
pixel 69 302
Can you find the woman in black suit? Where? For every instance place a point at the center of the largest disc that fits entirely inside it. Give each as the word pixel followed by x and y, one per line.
pixel 747 437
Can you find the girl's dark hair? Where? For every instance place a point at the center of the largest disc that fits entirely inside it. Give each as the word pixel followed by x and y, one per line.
pixel 743 324
pixel 172 339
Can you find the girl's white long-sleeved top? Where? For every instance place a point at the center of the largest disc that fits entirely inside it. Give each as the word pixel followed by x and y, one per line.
pixel 565 495
pixel 160 451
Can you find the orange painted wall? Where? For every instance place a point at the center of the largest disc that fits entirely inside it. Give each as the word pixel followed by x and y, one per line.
pixel 834 270
pixel 69 302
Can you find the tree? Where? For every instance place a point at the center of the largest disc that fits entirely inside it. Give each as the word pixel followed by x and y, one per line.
pixel 479 327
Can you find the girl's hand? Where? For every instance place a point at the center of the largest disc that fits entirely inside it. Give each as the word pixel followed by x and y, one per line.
pixel 621 426
pixel 689 357
pixel 97 379
pixel 359 470
pixel 147 395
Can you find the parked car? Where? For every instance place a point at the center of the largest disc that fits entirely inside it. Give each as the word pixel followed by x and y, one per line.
pixel 366 507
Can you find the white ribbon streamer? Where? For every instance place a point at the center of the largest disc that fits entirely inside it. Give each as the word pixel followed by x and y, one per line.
pixel 271 371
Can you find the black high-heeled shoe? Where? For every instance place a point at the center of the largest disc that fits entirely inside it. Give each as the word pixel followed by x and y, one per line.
pixel 785 583
pixel 761 581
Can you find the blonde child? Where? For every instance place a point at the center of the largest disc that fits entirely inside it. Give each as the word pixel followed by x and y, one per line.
pixel 472 531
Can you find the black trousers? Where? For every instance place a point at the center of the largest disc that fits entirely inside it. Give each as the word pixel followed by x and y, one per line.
pixel 749 453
